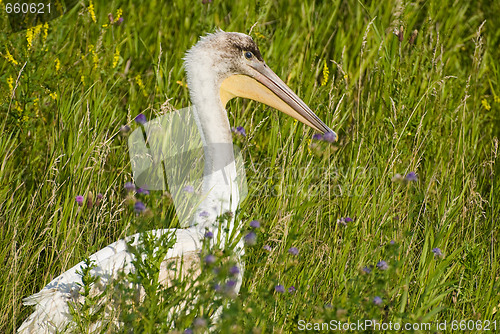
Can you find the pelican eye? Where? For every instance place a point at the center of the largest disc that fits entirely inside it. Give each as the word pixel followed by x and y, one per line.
pixel 248 55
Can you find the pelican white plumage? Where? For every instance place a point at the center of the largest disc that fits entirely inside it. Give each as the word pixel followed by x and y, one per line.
pixel 219 67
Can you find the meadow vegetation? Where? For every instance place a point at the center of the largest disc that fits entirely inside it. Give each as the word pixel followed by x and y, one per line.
pixel 396 221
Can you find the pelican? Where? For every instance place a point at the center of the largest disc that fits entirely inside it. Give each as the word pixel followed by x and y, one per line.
pixel 221 66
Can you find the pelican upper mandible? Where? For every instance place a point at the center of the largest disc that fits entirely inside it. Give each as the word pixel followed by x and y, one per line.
pixel 221 66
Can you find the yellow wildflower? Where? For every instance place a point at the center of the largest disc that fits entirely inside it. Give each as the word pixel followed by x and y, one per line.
pixel 139 82
pixel 29 37
pixel 82 79
pixel 180 83
pixel 326 72
pixel 496 99
pixel 10 58
pixel 91 11
pixel 119 14
pixel 32 33
pixel 45 31
pixel 104 25
pixel 26 118
pixel 58 64
pixel 96 60
pixel 116 58
pixel 259 35
pixel 485 104
pixel 38 28
pixel 59 7
pixel 36 106
pixel 10 82
pixel 17 107
pixel 53 95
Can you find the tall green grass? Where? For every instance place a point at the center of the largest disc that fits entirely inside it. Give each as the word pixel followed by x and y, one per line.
pixel 427 104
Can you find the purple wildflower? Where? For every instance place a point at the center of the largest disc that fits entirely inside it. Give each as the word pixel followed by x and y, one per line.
pixel 267 248
pixel 231 284
pixel 209 259
pixel 392 242
pixel 437 252
pixel 291 289
pixel 317 136
pixel 366 270
pixel 377 301
pixel 124 129
pixel 344 220
pixel 129 186
pixel 279 288
pixel 204 214
pixel 209 235
pixel 234 270
pixel 99 199
pixel 251 238
pixel 188 189
pixel 254 224
pixel 79 200
pixel 382 265
pixel 139 207
pixel 141 119
pixel 142 191
pixel 329 137
pixel 230 288
pixel 411 177
pixel 239 130
pixel 120 21
pixel 217 287
pixel 206 1
pixel 293 251
pixel 188 331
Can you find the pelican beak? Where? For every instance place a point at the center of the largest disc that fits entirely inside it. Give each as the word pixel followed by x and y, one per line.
pixel 265 86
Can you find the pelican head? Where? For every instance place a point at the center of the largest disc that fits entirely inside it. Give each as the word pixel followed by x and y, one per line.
pixel 230 65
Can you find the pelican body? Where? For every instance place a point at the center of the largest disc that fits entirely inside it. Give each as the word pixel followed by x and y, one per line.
pixel 221 66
